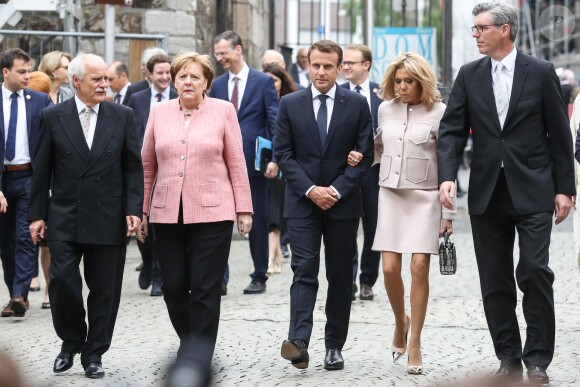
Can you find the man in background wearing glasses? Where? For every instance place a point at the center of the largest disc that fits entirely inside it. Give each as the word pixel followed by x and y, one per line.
pixel 522 172
pixel 358 60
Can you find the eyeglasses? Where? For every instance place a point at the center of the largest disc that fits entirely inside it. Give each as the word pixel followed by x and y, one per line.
pixel 481 28
pixel 350 64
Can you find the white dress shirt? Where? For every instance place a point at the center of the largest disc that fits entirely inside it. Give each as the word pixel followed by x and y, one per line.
pixel 92 119
pixel 242 82
pixel 303 76
pixel 22 152
pixel 509 63
pixel 154 92
pixel 329 107
pixel 365 89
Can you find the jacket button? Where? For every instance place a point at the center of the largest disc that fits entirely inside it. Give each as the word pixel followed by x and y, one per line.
pixel 79 203
pixel 98 203
pixel 80 179
pixel 182 158
pixel 183 141
pixel 180 174
pixel 98 179
pixel 323 160
pixel 109 153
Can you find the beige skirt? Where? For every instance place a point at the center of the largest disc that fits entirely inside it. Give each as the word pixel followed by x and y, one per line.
pixel 408 221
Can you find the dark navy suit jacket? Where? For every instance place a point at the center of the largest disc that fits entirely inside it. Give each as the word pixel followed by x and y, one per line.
pixel 35 102
pixel 257 113
pixel 305 161
pixel 140 102
pixel 375 102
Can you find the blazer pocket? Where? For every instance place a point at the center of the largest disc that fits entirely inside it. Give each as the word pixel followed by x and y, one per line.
pixel 160 196
pixel 419 132
pixel 210 196
pixel 385 170
pixel 538 161
pixel 417 169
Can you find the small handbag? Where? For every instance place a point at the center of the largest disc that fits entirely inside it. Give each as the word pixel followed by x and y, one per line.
pixel 447 256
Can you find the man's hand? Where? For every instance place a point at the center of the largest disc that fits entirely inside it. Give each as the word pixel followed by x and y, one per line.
pixel 354 158
pixel 271 170
pixel 323 197
pixel 562 208
pixel 143 231
pixel 244 221
pixel 133 223
pixel 3 203
pixel 36 229
pixel 446 193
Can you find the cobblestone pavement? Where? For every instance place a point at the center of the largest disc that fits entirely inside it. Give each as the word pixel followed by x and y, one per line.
pixel 456 342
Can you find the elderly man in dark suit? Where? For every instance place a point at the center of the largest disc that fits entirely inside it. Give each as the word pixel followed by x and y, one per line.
pixel 254 96
pixel 522 172
pixel 89 150
pixel 19 131
pixel 315 131
pixel 357 62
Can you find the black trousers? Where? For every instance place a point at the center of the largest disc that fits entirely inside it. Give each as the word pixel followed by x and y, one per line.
pixel 339 237
pixel 193 265
pixel 150 256
pixel 369 259
pixel 103 270
pixel 493 238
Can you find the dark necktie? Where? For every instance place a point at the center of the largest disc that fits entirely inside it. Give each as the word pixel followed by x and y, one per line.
pixel 159 96
pixel 322 118
pixel 118 98
pixel 358 89
pixel 235 94
pixel 11 139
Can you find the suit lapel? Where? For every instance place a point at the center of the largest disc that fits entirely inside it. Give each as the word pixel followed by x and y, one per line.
pixel 339 101
pixel 520 75
pixel 249 90
pixel 103 133
pixel 28 106
pixel 309 116
pixel 483 78
pixel 375 102
pixel 71 125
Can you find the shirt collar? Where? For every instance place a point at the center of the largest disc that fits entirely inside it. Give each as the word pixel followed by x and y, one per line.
pixel 365 86
pixel 331 93
pixel 81 105
pixel 7 93
pixel 509 61
pixel 242 75
pixel 165 92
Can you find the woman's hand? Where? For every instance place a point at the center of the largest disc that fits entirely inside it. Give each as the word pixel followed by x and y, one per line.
pixel 244 223
pixel 354 158
pixel 143 231
pixel 446 225
pixel 3 203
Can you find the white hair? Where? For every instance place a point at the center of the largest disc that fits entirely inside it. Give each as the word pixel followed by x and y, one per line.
pixel 77 67
pixel 150 52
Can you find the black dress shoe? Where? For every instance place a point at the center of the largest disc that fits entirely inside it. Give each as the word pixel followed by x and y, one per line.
pixel 285 251
pixel 508 373
pixel 297 352
pixel 333 359
pixel 95 371
pixel 63 362
pixel 255 287
pixel 145 277
pixel 366 292
pixel 538 376
pixel 156 290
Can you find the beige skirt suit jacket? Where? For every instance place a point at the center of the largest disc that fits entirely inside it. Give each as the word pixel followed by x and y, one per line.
pixel 409 212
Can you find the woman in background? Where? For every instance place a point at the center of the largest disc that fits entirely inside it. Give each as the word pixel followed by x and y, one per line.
pixel 276 187
pixel 55 65
pixel 39 81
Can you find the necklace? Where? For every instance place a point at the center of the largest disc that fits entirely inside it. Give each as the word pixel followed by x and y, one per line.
pixel 187 113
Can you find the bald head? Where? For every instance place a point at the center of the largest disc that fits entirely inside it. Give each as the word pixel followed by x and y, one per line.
pixel 302 58
pixel 118 76
pixel 273 57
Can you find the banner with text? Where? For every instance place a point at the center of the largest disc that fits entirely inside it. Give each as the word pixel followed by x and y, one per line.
pixel 392 41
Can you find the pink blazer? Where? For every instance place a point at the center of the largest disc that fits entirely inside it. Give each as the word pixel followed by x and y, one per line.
pixel 202 163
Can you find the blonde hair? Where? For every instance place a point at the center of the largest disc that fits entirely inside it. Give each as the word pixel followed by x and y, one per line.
pixel 420 70
pixel 51 61
pixel 39 81
pixel 186 58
